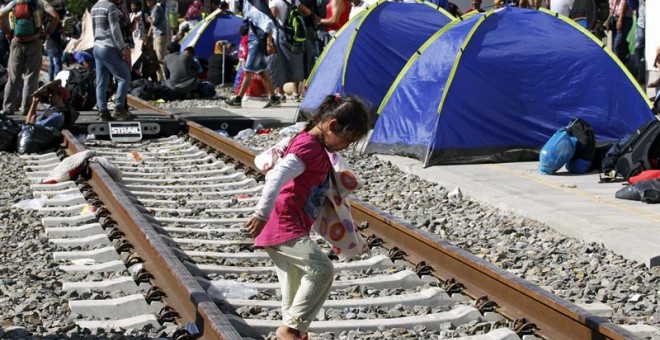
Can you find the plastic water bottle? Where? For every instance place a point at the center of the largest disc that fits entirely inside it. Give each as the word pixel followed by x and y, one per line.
pixel 244 134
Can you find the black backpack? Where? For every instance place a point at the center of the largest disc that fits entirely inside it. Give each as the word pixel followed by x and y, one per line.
pixel 294 25
pixel 585 148
pixel 636 152
pixel 82 86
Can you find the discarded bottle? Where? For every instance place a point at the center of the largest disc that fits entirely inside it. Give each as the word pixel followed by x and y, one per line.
pixel 244 134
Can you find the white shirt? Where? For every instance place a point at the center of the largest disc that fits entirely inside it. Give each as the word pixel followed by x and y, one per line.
pixel 562 7
pixel 281 8
pixel 357 9
pixel 285 170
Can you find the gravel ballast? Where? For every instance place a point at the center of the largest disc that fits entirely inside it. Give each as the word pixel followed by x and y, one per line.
pixel 577 271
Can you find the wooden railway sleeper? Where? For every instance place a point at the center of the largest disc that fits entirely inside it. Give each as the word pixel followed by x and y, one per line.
pixel 396 254
pixel 484 305
pixel 167 314
pixel 522 327
pixel 155 294
pixel 453 287
pixel 423 269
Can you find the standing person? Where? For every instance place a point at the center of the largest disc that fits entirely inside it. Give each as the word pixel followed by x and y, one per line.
pixel 621 16
pixel 584 13
pixel 147 65
pixel 4 44
pixel 310 52
pixel 224 7
pixel 112 56
pixel 476 6
pixel 158 32
pixel 137 21
pixel 337 12
pixel 260 34
pixel 290 202
pixel 357 6
pixel 640 43
pixel 286 65
pixel 26 48
pixel 562 7
pixel 194 14
pixel 55 48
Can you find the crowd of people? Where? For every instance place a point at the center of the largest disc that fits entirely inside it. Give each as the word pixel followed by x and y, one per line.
pixel 266 51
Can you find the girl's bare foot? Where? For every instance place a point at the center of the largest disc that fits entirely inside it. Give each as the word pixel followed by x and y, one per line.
pixel 287 333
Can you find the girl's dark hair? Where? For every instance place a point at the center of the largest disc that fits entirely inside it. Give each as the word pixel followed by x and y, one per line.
pixel 244 30
pixel 350 111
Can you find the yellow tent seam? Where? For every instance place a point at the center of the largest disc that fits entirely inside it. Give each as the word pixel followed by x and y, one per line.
pixel 607 50
pixel 355 32
pixel 457 61
pixel 411 61
pixel 327 47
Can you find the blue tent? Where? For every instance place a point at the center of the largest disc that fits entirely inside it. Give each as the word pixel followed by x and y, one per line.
pixel 214 27
pixel 369 51
pixel 493 87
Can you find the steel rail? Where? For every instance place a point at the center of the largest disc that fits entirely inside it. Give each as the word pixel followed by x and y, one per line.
pixel 556 318
pixel 183 292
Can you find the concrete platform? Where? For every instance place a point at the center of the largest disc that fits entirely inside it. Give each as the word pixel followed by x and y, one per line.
pixel 574 205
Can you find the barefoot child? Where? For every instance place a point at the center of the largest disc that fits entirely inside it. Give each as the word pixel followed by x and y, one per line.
pixel 291 200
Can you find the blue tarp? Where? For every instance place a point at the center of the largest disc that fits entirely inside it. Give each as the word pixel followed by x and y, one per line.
pixel 369 52
pixel 214 27
pixel 495 86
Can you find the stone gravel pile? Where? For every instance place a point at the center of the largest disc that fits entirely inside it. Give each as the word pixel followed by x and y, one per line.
pixel 32 302
pixel 577 271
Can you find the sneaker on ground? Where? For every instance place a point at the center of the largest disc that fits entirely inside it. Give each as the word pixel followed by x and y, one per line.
pixel 273 101
pixel 234 101
pixel 121 113
pixel 281 97
pixel 295 98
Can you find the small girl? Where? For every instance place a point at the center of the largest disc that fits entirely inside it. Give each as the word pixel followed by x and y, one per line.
pixel 291 200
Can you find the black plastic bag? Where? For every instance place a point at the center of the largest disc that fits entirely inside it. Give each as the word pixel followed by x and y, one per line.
pixel 646 191
pixel 35 138
pixel 9 130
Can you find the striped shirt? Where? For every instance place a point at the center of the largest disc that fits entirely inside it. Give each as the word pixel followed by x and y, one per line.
pixel 106 18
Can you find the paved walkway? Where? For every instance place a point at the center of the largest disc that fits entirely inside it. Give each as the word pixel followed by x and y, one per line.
pixel 575 205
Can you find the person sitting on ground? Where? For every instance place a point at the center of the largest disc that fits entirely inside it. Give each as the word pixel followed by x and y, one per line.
pixel 83 58
pixel 191 52
pixel 180 71
pixel 59 114
pixel 147 65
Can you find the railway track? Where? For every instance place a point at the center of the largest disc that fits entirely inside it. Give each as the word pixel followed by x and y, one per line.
pixel 175 226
